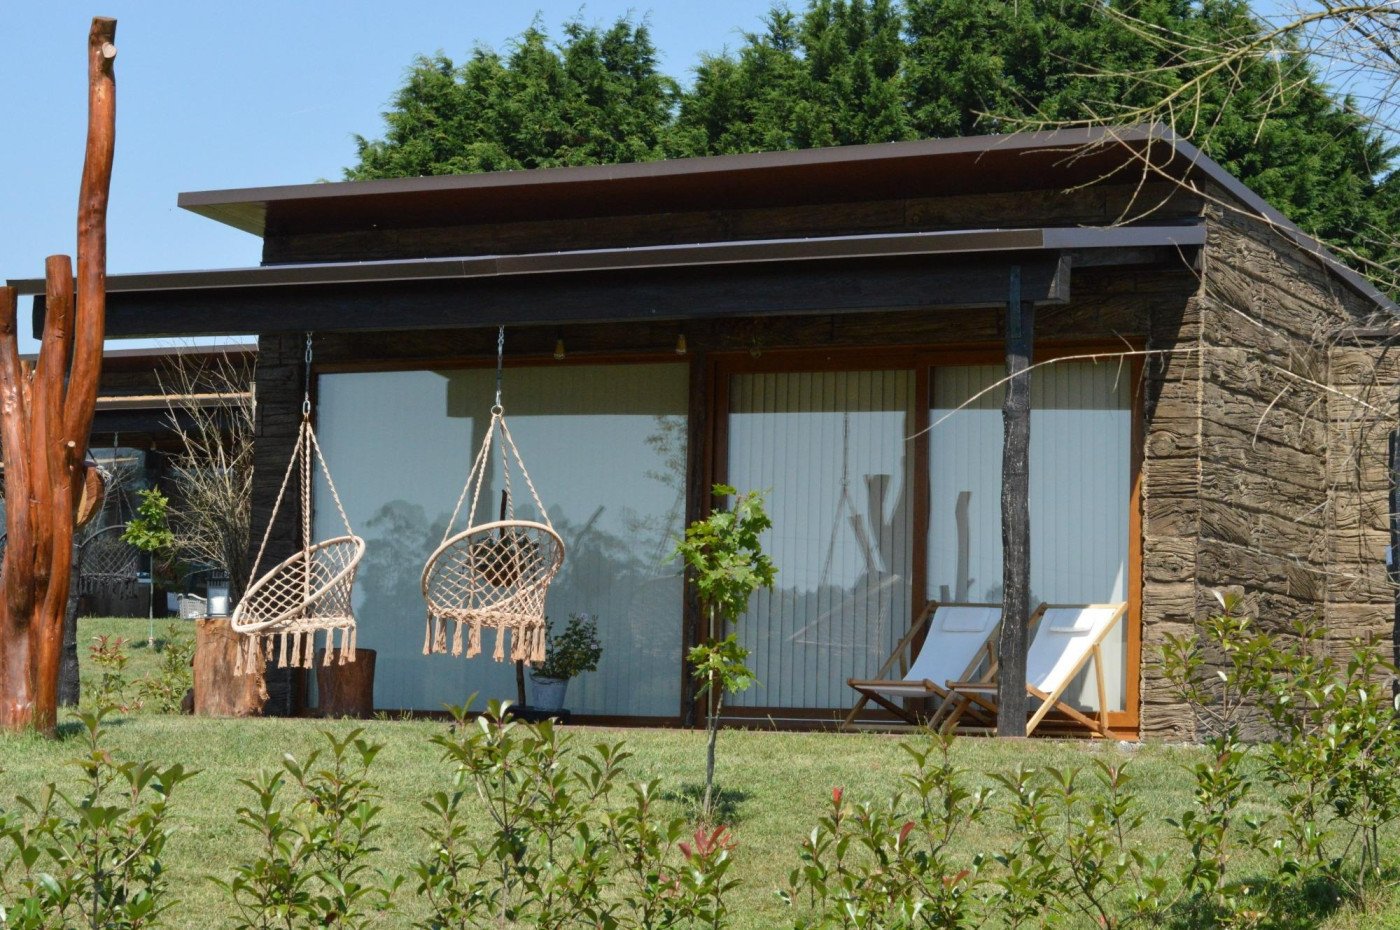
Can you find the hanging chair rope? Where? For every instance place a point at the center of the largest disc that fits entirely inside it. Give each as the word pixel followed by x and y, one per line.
pixel 494 574
pixel 309 592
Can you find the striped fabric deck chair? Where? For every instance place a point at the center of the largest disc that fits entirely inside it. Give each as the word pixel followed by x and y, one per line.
pixel 1067 637
pixel 958 644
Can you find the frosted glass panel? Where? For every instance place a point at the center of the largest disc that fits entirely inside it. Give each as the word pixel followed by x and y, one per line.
pixel 605 446
pixel 833 448
pixel 1081 430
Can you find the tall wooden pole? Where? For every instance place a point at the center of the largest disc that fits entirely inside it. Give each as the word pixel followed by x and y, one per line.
pixel 45 417
pixel 1015 513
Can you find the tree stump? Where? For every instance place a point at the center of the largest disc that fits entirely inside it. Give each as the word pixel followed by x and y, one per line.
pixel 345 690
pixel 218 692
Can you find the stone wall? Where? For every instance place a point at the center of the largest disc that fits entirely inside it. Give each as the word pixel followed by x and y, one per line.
pixel 1361 412
pixel 1280 495
pixel 1170 499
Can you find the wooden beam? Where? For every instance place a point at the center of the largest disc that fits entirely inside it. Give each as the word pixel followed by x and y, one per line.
pixel 1393 551
pixel 1015 512
pixel 772 289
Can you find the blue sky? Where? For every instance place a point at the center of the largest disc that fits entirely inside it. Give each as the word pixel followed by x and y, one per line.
pixel 240 95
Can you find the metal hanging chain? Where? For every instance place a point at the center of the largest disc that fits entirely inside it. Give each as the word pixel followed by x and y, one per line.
pixel 500 362
pixel 306 381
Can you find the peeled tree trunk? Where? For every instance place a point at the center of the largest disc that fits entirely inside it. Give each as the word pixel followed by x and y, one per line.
pixel 45 417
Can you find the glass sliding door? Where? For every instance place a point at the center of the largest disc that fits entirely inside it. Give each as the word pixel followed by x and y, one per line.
pixel 605 445
pixel 1080 487
pixel 834 450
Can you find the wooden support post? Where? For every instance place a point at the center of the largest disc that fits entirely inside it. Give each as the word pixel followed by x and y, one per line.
pixel 699 478
pixel 1015 513
pixel 1392 562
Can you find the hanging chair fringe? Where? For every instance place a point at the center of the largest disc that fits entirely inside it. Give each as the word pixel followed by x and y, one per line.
pixel 500 654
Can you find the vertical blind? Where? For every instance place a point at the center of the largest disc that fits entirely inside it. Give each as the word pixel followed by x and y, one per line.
pixel 605 446
pixel 833 449
pixel 1081 430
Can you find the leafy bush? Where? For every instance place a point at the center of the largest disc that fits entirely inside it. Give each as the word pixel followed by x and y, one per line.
pixel 165 689
pixel 534 828
pixel 313 869
pixel 891 864
pixel 561 849
pixel 1330 744
pixel 108 691
pixel 90 859
pixel 572 652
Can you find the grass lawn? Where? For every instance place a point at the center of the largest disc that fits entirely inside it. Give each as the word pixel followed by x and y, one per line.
pixel 780 783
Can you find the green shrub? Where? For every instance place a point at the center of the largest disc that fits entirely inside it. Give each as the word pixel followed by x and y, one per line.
pixel 90 859
pixel 166 688
pixel 312 868
pixel 566 844
pixel 1328 745
pixel 572 652
pixel 108 691
pixel 892 864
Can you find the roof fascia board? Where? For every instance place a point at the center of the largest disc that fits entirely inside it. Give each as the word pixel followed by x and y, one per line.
pixel 704 165
pixel 760 251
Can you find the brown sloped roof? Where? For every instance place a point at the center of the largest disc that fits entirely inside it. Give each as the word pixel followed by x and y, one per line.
pixel 928 167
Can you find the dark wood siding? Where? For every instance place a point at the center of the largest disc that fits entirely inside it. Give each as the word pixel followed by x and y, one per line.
pixel 279 394
pixel 1094 205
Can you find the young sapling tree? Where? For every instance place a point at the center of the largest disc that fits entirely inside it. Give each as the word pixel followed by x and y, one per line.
pixel 727 565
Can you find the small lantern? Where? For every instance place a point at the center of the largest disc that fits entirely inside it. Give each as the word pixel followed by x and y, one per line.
pixel 217 591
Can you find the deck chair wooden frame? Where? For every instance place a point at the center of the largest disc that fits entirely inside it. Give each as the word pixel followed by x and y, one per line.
pixel 903 656
pixel 981 695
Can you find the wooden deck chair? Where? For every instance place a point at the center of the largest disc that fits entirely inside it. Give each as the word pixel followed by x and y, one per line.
pixel 959 642
pixel 1067 637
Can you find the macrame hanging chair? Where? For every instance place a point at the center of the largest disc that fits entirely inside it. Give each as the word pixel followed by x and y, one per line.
pixel 281 611
pixel 108 564
pixel 493 574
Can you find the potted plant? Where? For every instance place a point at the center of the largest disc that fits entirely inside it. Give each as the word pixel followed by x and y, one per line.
pixel 572 652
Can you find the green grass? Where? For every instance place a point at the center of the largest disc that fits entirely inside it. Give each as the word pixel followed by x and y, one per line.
pixel 779 785
pixel 142 659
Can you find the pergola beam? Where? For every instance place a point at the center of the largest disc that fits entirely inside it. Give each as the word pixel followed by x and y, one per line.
pixel 713 292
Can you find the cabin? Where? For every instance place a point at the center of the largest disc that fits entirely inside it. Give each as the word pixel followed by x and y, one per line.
pixel 1211 397
pixel 145 399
